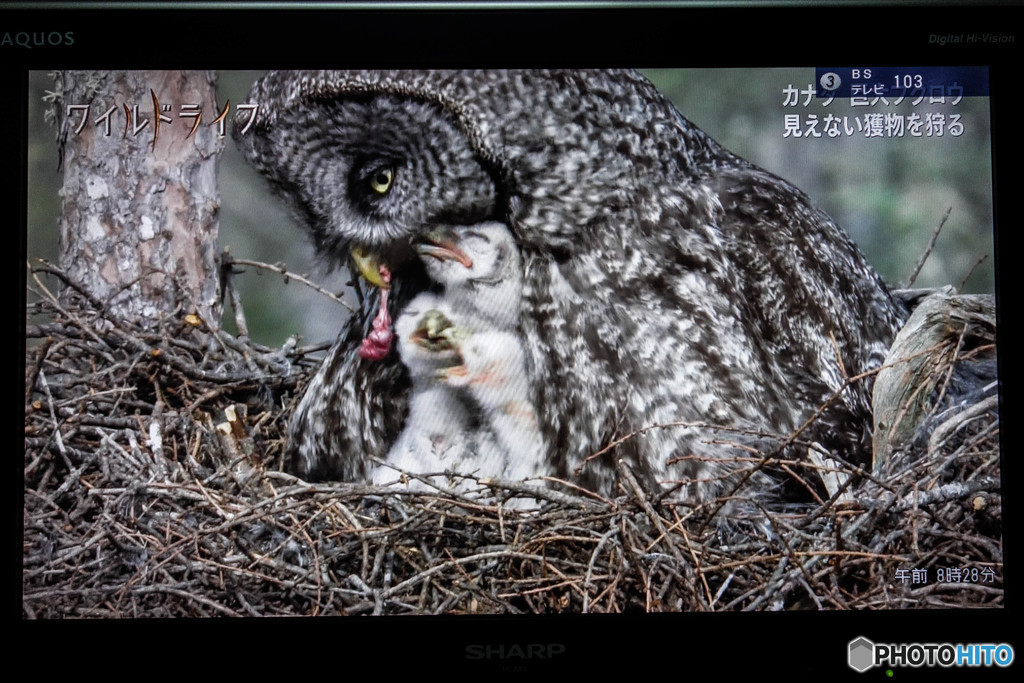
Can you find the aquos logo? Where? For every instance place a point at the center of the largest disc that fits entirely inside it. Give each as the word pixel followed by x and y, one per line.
pixel 862 654
pixel 33 39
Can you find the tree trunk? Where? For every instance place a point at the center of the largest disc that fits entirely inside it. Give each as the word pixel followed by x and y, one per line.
pixel 945 332
pixel 140 200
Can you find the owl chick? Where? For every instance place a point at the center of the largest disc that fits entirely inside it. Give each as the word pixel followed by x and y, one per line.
pixel 470 411
pixel 480 269
pixel 670 289
pixel 491 373
pixel 489 427
pixel 439 433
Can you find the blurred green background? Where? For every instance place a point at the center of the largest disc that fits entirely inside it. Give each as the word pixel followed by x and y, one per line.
pixel 887 193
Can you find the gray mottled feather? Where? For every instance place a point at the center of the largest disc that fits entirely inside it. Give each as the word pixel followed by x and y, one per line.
pixel 664 278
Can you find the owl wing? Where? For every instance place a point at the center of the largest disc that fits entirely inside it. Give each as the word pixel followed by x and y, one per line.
pixel 351 409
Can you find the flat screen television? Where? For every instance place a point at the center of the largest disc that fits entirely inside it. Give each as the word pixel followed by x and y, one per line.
pixel 742 274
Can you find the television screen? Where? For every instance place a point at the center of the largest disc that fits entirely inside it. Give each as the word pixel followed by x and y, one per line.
pixel 621 336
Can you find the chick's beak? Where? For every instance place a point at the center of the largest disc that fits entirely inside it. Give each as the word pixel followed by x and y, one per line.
pixel 441 244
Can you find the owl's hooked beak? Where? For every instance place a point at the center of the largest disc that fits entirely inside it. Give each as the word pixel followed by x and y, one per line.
pixel 377 344
pixel 441 244
pixel 370 266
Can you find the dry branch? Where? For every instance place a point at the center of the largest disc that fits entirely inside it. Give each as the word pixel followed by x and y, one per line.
pixel 155 486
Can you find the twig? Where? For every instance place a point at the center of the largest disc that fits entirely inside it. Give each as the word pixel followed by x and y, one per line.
pixel 280 269
pixel 970 271
pixel 928 250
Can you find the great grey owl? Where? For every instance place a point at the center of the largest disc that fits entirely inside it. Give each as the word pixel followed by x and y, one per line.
pixel 470 409
pixel 670 288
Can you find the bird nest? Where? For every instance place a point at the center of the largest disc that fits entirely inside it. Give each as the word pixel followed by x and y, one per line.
pixel 155 485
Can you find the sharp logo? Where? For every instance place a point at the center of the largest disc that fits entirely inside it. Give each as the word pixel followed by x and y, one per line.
pixel 515 651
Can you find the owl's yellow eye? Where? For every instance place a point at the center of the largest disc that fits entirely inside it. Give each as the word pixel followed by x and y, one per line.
pixel 381 179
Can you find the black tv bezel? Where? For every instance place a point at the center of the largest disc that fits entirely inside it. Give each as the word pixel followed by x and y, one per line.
pixel 723 34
